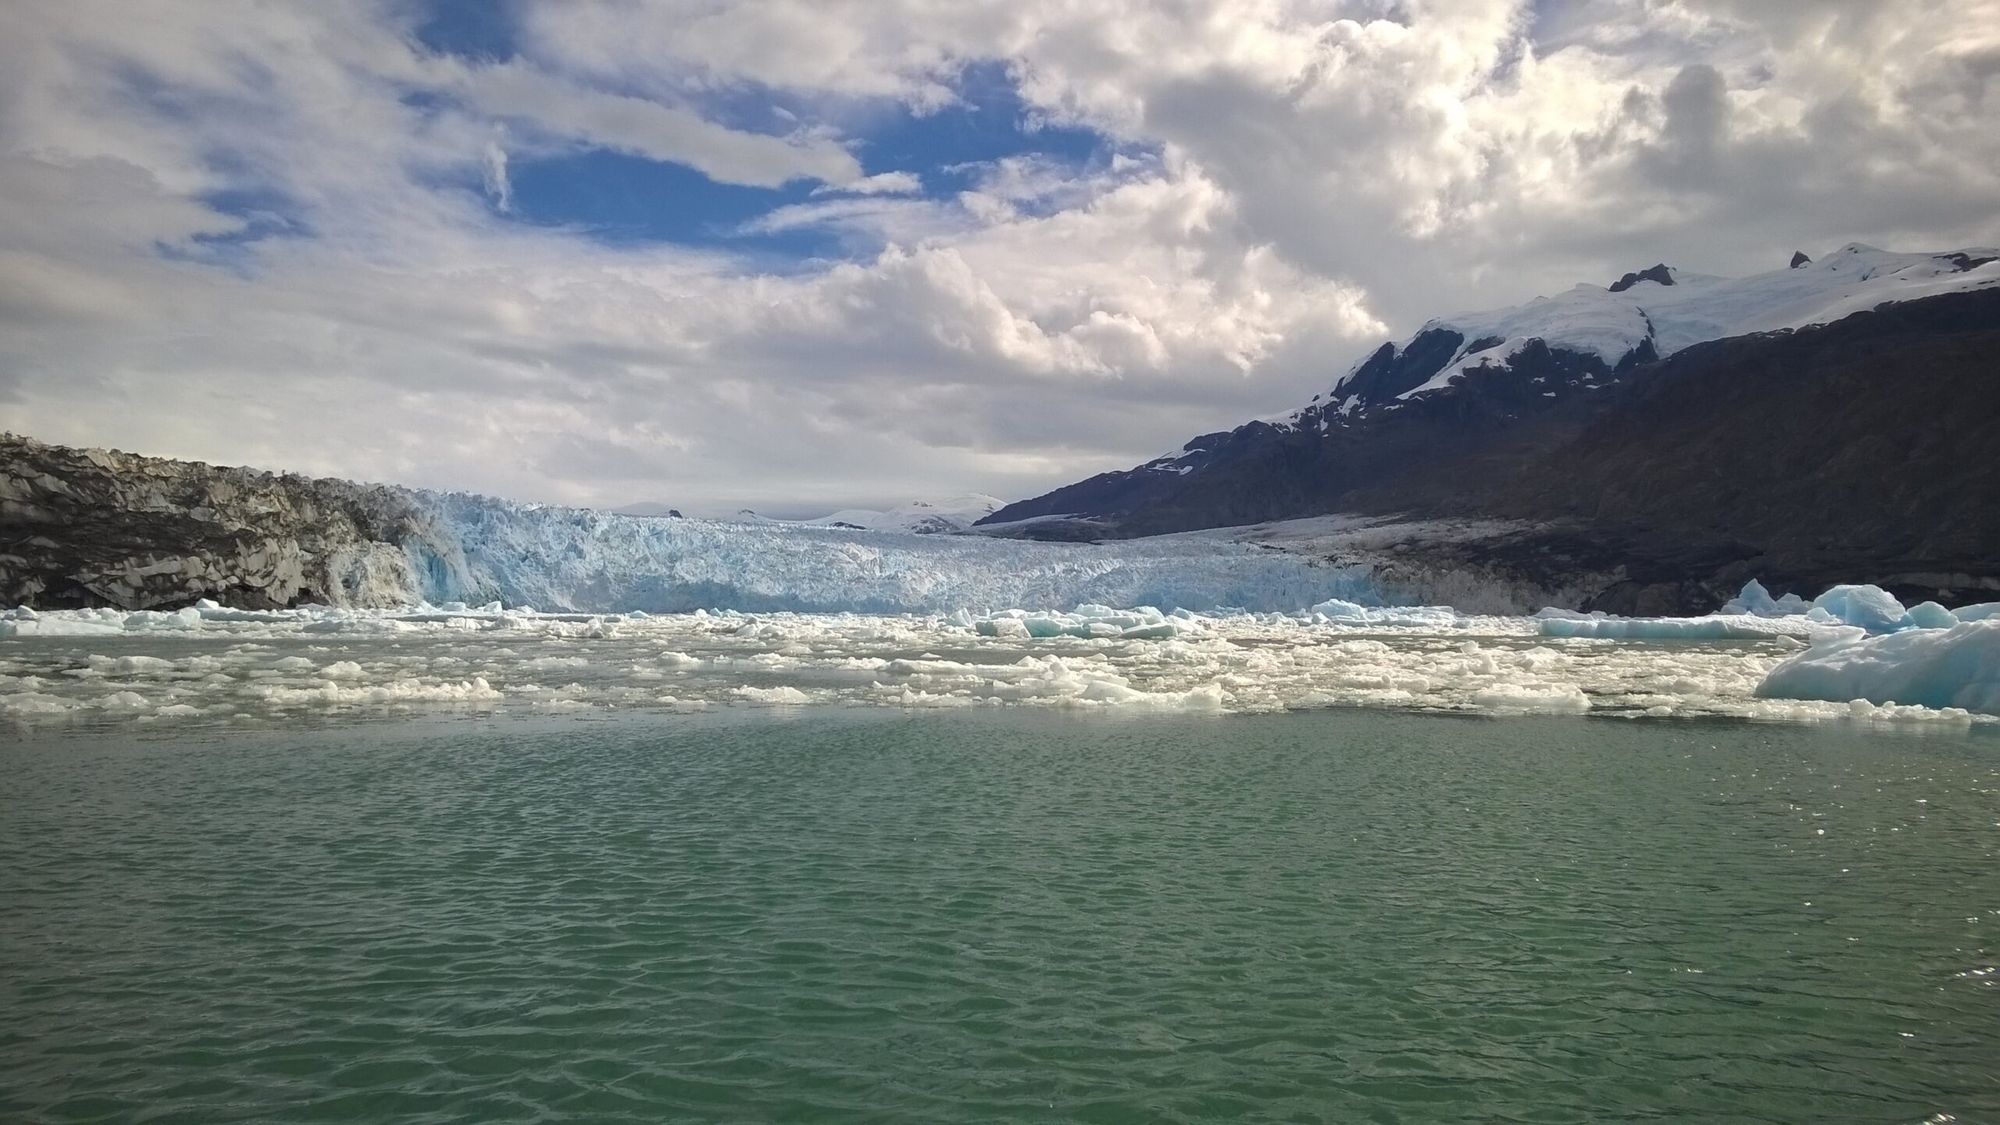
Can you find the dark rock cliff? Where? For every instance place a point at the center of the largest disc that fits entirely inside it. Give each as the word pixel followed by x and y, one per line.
pixel 86 527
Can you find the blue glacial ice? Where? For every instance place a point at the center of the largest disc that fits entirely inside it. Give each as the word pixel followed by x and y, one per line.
pixel 573 559
pixel 1714 627
pixel 1754 614
pixel 1864 645
pixel 1958 666
pixel 1758 602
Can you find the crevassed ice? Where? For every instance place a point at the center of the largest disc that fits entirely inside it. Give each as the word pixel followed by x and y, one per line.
pixel 481 549
pixel 211 664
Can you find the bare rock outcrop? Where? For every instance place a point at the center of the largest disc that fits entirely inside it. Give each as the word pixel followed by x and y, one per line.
pixel 93 527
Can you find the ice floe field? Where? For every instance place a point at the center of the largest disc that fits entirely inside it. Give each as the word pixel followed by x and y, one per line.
pixel 1853 656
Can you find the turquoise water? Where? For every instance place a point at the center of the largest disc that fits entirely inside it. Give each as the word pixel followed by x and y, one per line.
pixel 1001 916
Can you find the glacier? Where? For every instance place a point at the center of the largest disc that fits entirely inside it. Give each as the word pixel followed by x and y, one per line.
pixel 576 559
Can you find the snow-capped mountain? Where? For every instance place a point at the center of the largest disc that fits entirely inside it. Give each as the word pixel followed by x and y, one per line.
pixel 1589 337
pixel 1834 417
pixel 924 517
pixel 650 509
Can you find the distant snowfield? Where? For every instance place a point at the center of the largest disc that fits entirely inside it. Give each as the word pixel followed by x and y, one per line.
pixel 923 517
pixel 212 665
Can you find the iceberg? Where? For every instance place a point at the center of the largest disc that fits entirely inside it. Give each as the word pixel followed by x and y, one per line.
pixel 1984 611
pixel 1956 667
pixel 1715 627
pixel 1870 607
pixel 1758 602
pixel 1338 611
pixel 1754 614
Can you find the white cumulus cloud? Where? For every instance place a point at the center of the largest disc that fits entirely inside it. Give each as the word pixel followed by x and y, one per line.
pixel 291 235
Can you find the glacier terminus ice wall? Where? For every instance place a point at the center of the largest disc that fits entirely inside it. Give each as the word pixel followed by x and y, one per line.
pixel 575 559
pixel 105 528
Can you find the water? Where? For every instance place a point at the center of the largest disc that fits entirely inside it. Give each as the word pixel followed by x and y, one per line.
pixel 1001 915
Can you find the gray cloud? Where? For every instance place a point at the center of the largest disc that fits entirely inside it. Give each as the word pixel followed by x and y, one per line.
pixel 1325 176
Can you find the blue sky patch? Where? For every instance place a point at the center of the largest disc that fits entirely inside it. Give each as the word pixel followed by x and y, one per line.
pixel 620 199
pixel 623 199
pixel 471 29
pixel 992 121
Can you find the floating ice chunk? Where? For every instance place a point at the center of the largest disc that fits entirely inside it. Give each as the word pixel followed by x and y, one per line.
pixel 785 694
pixel 1341 612
pixel 1955 667
pixel 77 623
pixel 34 704
pixel 1557 613
pixel 1551 698
pixel 1984 611
pixel 1715 627
pixel 1087 621
pixel 1870 607
pixel 147 619
pixel 357 623
pixel 1758 602
pixel 1929 615
pixel 475 690
pixel 130 665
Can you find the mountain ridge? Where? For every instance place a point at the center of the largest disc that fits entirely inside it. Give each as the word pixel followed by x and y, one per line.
pixel 1453 422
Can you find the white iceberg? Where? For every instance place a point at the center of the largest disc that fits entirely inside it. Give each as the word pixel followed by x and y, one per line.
pixel 1957 667
pixel 1758 602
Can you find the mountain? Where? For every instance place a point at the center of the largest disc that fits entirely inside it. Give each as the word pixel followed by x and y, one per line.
pixel 924 517
pixel 649 509
pixel 921 516
pixel 1831 419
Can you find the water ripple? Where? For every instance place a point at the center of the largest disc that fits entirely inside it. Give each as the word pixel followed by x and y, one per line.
pixel 1009 916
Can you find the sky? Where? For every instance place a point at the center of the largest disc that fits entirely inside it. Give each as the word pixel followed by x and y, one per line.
pixel 796 255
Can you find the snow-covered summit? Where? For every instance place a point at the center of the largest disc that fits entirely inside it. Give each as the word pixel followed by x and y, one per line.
pixel 1698 307
pixel 1640 314
pixel 925 517
pixel 1587 338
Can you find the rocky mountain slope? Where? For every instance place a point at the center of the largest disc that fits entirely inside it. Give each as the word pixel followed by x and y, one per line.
pixel 85 527
pixel 1829 422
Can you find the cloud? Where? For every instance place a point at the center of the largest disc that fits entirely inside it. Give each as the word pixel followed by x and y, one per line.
pixel 643 127
pixel 282 237
pixel 496 181
pixel 883 183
